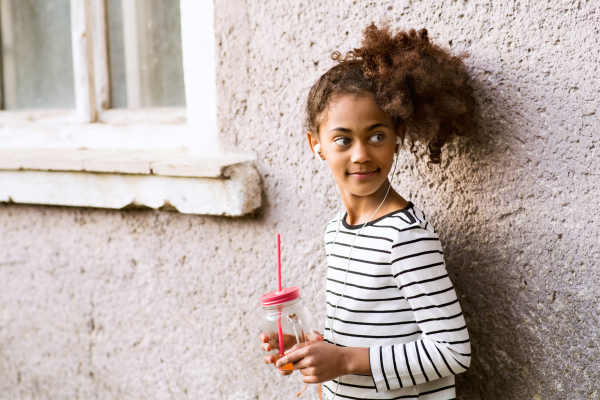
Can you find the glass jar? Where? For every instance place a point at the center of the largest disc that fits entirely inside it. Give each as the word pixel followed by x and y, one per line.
pixel 286 318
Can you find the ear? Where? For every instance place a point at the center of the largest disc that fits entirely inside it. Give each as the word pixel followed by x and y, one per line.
pixel 401 132
pixel 313 140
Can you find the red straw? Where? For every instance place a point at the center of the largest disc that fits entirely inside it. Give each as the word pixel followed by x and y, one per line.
pixel 278 262
pixel 280 337
pixel 279 289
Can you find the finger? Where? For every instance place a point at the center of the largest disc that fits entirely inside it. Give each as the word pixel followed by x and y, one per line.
pixel 265 347
pixel 269 359
pixel 304 365
pixel 314 336
pixel 286 369
pixel 283 372
pixel 263 337
pixel 284 361
pixel 304 368
pixel 311 379
pixel 292 357
pixel 296 347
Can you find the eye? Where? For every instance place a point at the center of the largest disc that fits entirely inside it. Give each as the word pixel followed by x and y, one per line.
pixel 377 137
pixel 343 141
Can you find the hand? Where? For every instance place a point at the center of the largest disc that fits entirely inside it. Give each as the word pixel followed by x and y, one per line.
pixel 318 361
pixel 271 341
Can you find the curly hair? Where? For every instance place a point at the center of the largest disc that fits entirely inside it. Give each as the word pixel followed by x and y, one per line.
pixel 415 82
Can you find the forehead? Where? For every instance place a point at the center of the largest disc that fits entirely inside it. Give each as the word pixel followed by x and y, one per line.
pixel 354 112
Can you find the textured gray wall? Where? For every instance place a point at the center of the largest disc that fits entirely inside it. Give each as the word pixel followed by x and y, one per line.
pixel 141 304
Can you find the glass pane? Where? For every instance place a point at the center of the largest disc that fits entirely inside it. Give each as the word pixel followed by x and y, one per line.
pixel 145 61
pixel 37 60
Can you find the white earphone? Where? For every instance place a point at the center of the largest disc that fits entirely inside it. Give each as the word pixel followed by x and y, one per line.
pixel 317 149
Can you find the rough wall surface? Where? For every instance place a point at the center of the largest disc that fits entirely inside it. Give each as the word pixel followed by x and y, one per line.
pixel 140 304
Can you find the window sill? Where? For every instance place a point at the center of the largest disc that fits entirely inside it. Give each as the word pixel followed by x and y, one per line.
pixel 226 185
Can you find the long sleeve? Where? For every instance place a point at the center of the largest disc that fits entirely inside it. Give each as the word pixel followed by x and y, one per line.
pixel 444 348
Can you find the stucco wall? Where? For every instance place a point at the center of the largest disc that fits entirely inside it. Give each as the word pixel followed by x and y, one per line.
pixel 140 304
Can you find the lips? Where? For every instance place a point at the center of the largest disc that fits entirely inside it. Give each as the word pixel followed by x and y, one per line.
pixel 363 175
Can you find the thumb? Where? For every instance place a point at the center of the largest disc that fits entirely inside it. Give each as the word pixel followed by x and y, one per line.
pixel 291 349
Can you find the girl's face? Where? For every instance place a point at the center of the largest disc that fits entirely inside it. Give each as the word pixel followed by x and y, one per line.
pixel 358 141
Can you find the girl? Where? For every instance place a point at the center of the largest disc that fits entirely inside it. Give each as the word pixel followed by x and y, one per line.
pixel 394 326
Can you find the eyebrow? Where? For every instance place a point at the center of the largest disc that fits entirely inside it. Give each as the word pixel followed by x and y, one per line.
pixel 346 130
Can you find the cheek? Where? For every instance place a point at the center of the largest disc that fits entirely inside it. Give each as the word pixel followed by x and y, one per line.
pixel 386 160
pixel 390 163
pixel 338 167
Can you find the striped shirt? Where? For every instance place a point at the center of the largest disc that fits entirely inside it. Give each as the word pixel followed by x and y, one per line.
pixel 399 302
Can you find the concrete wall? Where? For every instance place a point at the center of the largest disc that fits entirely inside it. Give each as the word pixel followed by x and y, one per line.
pixel 140 304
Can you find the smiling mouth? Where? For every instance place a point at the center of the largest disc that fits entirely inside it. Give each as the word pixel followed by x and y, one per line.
pixel 363 175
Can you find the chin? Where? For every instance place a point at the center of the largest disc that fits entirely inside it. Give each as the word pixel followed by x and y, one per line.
pixel 365 189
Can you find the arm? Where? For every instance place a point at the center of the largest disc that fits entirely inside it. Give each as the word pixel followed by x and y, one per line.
pixel 320 362
pixel 444 349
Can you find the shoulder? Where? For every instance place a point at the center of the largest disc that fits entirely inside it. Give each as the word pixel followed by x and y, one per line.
pixel 416 249
pixel 406 224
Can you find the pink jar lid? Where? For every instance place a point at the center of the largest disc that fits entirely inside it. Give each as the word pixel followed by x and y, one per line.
pixel 275 298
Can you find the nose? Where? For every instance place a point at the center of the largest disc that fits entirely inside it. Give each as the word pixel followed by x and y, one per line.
pixel 360 153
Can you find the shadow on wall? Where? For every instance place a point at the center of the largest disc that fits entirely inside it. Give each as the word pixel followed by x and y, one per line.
pixel 481 259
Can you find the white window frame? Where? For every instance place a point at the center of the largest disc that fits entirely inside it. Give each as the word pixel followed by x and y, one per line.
pixel 94 156
pixel 127 128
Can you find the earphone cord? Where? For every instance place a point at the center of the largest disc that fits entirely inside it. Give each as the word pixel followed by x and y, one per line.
pixel 339 216
pixel 349 258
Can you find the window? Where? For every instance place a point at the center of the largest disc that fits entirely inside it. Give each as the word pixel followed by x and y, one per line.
pixel 110 103
pixel 116 74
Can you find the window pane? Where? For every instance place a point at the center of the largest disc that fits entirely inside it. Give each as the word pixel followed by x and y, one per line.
pixel 37 60
pixel 145 61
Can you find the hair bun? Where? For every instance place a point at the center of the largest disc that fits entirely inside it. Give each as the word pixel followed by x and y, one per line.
pixel 416 83
pixel 420 83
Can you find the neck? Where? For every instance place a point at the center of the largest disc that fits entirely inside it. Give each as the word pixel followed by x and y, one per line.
pixel 360 209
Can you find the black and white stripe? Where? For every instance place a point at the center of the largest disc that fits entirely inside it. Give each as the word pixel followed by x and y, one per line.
pixel 400 303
